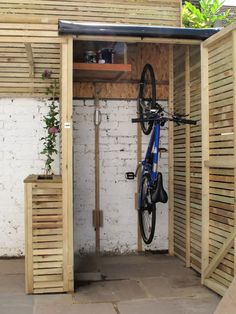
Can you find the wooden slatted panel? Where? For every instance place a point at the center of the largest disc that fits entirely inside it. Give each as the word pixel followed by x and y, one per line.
pixel 153 12
pixel 15 78
pixel 46 249
pixel 195 160
pixel 221 124
pixel 179 155
pixel 22 62
pixel 218 272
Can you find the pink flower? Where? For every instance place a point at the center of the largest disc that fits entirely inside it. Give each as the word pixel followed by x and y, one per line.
pixel 47 74
pixel 53 130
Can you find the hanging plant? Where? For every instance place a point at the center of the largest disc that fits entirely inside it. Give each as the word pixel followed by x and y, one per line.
pixel 51 122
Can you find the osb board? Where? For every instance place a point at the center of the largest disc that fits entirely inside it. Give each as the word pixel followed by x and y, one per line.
pixel 154 12
pixel 138 56
pixel 115 91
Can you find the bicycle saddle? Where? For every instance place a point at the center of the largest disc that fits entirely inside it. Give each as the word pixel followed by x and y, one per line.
pixel 159 194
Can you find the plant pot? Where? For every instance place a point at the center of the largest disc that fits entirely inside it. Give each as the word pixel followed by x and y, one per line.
pixel 44 229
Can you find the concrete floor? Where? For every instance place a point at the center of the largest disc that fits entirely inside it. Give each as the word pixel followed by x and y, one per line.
pixel 149 284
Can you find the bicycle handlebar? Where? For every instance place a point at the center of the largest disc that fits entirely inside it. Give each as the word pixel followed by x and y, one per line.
pixel 165 119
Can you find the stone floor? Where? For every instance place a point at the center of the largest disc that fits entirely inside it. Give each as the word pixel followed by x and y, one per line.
pixel 130 285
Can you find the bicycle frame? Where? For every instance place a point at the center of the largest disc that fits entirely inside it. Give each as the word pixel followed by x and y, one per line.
pixel 151 154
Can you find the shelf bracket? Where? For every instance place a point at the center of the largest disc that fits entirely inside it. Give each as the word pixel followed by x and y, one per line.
pixel 30 57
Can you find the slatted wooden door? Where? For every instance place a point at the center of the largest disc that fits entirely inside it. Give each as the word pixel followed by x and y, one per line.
pixel 219 159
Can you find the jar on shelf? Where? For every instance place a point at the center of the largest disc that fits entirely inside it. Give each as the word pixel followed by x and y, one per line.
pixel 106 55
pixel 90 57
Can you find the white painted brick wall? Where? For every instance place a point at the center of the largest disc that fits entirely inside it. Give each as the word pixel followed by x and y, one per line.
pixel 118 145
pixel 20 131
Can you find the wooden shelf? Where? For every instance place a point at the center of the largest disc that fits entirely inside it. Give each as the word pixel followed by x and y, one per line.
pixel 97 71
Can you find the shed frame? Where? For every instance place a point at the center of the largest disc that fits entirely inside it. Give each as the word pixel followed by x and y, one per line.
pixel 209 260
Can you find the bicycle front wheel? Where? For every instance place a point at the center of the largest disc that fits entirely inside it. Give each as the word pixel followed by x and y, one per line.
pixel 147 211
pixel 147 97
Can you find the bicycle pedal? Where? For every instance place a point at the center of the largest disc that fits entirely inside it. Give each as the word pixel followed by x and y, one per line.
pixel 129 175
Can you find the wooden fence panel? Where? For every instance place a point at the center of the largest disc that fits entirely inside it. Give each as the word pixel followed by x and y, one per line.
pixel 26 50
pixel 219 167
pixel 154 12
pixel 179 148
pixel 195 160
pixel 187 157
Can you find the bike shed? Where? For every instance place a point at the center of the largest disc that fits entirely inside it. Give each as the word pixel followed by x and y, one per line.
pixel 201 159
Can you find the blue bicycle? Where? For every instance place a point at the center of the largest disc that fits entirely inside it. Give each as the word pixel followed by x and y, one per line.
pixel 152 117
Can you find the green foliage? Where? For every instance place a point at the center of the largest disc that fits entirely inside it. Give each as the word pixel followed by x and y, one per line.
pixel 207 16
pixel 51 122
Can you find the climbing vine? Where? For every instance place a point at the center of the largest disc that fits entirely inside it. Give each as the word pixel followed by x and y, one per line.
pixel 51 122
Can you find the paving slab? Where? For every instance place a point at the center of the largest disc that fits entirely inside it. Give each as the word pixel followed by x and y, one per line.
pixel 12 266
pixel 12 284
pixel 141 270
pixel 164 306
pixel 133 284
pixel 162 287
pixel 17 300
pixel 203 305
pixel 110 291
pixel 13 309
pixel 51 299
pixel 98 308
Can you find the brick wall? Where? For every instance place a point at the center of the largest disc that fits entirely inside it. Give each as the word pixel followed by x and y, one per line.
pixel 118 144
pixel 20 131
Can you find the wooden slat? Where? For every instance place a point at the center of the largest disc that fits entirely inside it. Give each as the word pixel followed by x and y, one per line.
pixel 205 156
pixel 170 156
pixel 155 12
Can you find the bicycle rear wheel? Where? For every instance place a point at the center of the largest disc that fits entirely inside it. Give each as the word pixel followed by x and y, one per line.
pixel 147 97
pixel 147 211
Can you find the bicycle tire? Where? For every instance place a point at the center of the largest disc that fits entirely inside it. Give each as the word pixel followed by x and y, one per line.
pixel 146 104
pixel 147 212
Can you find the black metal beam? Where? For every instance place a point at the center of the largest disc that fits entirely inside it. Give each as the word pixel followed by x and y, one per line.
pixel 75 28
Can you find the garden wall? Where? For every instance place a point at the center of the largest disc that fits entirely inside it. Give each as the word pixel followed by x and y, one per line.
pixel 118 145
pixel 20 131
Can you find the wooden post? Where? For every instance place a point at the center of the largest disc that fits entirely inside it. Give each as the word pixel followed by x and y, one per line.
pixel 28 239
pixel 187 153
pixel 171 155
pixel 139 154
pixel 205 157
pixel 234 111
pixel 139 158
pixel 67 160
pixel 30 57
pixel 97 172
